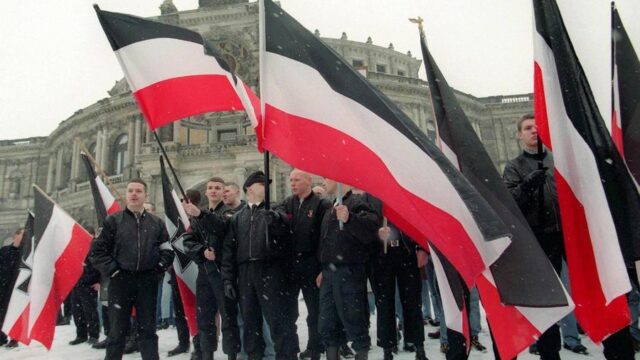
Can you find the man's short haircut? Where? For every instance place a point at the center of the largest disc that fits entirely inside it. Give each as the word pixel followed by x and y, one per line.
pixel 18 231
pixel 216 179
pixel 233 185
pixel 194 196
pixel 522 119
pixel 138 181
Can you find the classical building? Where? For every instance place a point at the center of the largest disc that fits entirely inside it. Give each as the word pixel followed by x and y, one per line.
pixel 113 132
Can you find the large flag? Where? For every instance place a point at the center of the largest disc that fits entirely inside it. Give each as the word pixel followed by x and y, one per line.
pixel 177 223
pixel 57 249
pixel 521 292
pixel 323 116
pixel 626 95
pixel 599 203
pixel 104 202
pixel 16 321
pixel 173 72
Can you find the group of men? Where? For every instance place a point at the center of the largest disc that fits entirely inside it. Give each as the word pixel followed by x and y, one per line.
pixel 255 259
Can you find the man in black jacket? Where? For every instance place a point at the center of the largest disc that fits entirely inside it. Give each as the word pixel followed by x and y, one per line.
pixel 304 210
pixel 397 260
pixel 84 298
pixel 343 253
pixel 133 250
pixel 204 246
pixel 9 266
pixel 255 256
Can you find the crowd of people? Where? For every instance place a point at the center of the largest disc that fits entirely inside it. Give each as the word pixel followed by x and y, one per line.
pixel 330 243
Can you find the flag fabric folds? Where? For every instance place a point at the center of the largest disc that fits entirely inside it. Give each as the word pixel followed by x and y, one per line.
pixel 173 72
pixel 599 203
pixel 521 292
pixel 323 116
pixel 177 223
pixel 104 202
pixel 626 99
pixel 53 260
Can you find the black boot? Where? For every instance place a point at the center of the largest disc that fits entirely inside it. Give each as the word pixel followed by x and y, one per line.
pixel 345 351
pixel 388 354
pixel 362 355
pixel 420 354
pixel 332 353
pixel 78 340
pixel 180 349
pixel 315 355
pixel 232 357
pixel 100 344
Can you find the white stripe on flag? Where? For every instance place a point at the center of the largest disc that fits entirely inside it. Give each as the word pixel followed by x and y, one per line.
pixel 452 315
pixel 105 194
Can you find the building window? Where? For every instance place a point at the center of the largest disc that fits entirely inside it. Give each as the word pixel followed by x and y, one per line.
pixel 357 63
pixel 227 135
pixel 401 73
pixel 381 68
pixel 120 154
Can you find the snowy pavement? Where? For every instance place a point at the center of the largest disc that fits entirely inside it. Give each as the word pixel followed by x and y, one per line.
pixel 61 350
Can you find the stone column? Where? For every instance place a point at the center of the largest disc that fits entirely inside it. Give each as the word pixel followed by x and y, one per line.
pixel 239 175
pixel 105 149
pixel 75 156
pixel 131 143
pixel 98 155
pixel 138 136
pixel 59 167
pixel 176 131
pixel 50 175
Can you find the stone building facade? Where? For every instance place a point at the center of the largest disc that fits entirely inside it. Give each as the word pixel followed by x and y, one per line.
pixel 113 132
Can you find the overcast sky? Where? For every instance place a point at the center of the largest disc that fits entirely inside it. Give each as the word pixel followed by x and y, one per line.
pixel 55 59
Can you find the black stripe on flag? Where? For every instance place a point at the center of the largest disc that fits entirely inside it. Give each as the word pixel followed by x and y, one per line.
pixel 170 207
pixel 27 246
pixel 582 110
pixel 101 208
pixel 456 284
pixel 43 211
pixel 342 78
pixel 628 66
pixel 523 275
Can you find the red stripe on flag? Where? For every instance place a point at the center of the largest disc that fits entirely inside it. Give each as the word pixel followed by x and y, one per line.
pixel 115 207
pixel 168 100
pixel 540 107
pixel 189 304
pixel 342 158
pixel 511 330
pixel 596 318
pixel 20 328
pixel 68 269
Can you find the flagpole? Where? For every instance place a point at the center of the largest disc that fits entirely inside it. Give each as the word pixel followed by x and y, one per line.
pixel 339 202
pixel 541 188
pixel 173 172
pixel 100 170
pixel 261 55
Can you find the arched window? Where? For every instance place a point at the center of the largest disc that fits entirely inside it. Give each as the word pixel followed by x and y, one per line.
pixel 120 154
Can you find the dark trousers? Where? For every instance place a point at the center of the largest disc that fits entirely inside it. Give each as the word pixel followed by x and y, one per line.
pixel 84 302
pixel 305 271
pixel 181 321
pixel 550 342
pixel 619 346
pixel 397 266
pixel 126 290
pixel 106 324
pixel 343 303
pixel 209 300
pixel 264 291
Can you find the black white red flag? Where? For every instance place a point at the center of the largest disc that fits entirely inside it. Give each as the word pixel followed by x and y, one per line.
pixel 521 292
pixel 599 202
pixel 177 223
pixel 55 254
pixel 173 72
pixel 626 95
pixel 104 202
pixel 323 116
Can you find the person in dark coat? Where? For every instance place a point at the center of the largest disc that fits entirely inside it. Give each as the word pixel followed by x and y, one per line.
pixel 84 299
pixel 343 253
pixel 254 261
pixel 133 250
pixel 304 210
pixel 9 267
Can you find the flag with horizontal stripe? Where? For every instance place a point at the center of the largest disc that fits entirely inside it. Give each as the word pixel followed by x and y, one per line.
pixel 521 292
pixel 58 249
pixel 324 117
pixel 104 202
pixel 174 72
pixel 599 203
pixel 177 223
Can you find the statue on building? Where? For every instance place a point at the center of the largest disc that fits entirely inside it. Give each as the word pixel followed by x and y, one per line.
pixel 167 7
pixel 207 3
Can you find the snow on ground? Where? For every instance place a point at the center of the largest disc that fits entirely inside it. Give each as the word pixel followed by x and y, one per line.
pixel 168 340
